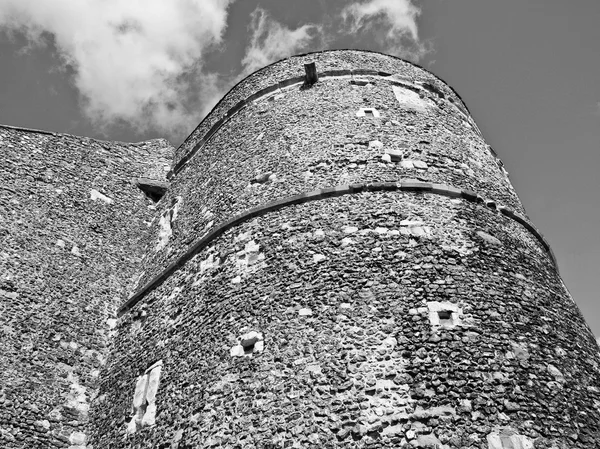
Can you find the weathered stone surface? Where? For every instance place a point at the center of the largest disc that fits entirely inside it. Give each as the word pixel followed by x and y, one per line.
pixel 508 439
pixel 141 387
pixel 153 380
pixel 69 255
pixel 369 366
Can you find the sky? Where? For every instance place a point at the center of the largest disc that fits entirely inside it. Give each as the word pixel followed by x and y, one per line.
pixel 139 69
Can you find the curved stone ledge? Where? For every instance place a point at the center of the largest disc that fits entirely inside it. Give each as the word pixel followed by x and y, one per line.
pixel 342 73
pixel 406 185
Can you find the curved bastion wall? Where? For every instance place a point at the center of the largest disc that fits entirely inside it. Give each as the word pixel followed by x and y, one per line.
pixel 346 264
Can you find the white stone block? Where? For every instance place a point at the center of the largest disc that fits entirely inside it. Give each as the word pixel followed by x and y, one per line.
pixel 305 312
pixel 132 426
pixel 149 418
pixel 95 195
pixel 153 378
pixel 140 391
pixel 78 438
pixel 319 258
pixel 237 351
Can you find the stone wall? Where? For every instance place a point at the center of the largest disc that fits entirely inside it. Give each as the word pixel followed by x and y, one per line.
pixel 73 226
pixel 372 319
pixel 348 296
pixel 296 140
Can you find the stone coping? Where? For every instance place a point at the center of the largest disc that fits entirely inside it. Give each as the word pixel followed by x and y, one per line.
pixel 299 80
pixel 29 130
pixel 404 185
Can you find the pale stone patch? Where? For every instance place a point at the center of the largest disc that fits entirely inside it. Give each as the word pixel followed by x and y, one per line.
pixel 153 379
pixel 144 398
pixel 316 369
pixel 519 351
pixel 508 439
pixel 305 312
pixel 554 371
pixel 139 395
pixel 375 145
pixel 318 258
pixel 165 223
pixel 77 398
pixel 95 195
pixel 409 99
pixel 149 418
pixel 249 259
pixel 210 263
pixel 414 227
pixel 489 238
pixel 429 440
pixel 78 438
pixel 347 241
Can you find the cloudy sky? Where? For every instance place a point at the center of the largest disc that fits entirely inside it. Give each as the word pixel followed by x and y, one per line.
pixel 138 69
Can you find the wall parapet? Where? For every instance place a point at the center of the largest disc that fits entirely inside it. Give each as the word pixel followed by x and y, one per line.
pixel 404 185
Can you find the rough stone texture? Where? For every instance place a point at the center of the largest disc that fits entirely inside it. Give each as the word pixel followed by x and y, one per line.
pixel 366 368
pixel 388 318
pixel 356 317
pixel 311 138
pixel 72 231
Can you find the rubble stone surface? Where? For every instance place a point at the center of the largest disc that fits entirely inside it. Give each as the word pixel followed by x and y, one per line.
pixel 312 278
pixel 73 227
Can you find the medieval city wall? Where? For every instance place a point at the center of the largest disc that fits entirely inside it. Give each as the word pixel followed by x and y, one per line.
pixel 346 265
pixel 73 225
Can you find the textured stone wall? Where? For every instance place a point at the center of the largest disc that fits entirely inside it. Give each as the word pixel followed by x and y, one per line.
pixel 372 319
pixel 296 140
pixel 342 291
pixel 73 226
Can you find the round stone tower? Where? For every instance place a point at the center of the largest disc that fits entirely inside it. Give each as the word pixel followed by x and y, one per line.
pixel 342 261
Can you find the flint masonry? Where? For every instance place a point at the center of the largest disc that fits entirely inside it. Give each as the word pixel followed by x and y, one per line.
pixel 334 258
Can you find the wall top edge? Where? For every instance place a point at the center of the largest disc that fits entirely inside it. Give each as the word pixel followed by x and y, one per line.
pixel 161 140
pixel 302 55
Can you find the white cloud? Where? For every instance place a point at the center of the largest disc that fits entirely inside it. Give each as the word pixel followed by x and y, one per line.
pixel 270 40
pixel 135 61
pixel 394 23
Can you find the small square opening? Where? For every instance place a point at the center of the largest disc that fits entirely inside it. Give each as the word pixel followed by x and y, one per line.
pixel 445 317
pixel 369 113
